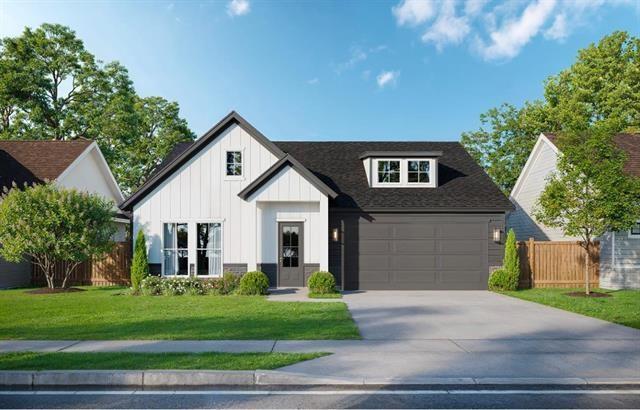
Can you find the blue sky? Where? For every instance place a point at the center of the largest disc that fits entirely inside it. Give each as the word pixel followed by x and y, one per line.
pixel 336 70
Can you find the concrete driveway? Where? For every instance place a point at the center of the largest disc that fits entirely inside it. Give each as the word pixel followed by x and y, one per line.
pixel 416 336
pixel 387 315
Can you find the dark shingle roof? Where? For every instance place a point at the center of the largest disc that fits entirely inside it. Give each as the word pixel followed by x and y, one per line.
pixel 462 183
pixel 629 143
pixel 33 162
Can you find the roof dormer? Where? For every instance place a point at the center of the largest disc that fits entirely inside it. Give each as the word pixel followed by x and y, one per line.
pixel 401 169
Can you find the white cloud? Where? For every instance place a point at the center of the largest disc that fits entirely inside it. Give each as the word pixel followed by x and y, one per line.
pixel 559 29
pixel 358 54
pixel 448 28
pixel 507 40
pixel 238 7
pixel 387 78
pixel 413 12
pixel 474 7
pixel 313 81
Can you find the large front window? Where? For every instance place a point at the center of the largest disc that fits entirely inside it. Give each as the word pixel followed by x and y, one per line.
pixel 209 249
pixel 389 172
pixel 176 249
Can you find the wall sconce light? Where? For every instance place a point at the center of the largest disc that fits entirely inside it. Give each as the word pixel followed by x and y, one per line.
pixel 335 235
pixel 497 235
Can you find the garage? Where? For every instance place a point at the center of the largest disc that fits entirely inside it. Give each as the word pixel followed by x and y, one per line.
pixel 417 251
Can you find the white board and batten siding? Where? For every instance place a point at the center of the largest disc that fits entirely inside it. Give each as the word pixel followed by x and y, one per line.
pixel 200 191
pixel 619 261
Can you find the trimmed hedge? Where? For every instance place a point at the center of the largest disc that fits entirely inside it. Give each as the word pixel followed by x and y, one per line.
pixel 253 283
pixel 321 283
pixel 156 285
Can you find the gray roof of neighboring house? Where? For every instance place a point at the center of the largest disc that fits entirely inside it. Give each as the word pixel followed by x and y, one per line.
pixel 629 143
pixel 462 183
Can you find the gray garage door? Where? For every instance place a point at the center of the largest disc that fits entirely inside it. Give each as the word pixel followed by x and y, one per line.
pixel 421 252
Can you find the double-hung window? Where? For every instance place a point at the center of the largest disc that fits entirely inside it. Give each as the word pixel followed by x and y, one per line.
pixel 209 249
pixel 388 171
pixel 234 163
pixel 176 249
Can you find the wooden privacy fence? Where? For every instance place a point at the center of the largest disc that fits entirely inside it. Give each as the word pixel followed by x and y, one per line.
pixel 113 269
pixel 561 264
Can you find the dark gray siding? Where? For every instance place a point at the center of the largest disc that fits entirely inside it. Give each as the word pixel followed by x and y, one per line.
pixel 414 251
pixel 237 268
pixel 271 270
pixel 14 275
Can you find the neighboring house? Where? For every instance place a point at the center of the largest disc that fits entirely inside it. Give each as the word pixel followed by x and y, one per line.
pixel 378 215
pixel 619 251
pixel 72 164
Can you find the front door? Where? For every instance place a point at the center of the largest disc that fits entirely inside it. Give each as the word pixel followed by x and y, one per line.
pixel 290 254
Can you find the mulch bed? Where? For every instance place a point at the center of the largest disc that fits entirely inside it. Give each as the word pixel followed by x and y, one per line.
pixel 590 295
pixel 47 291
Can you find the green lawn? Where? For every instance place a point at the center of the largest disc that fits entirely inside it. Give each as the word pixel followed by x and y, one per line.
pixel 623 307
pixel 107 313
pixel 147 361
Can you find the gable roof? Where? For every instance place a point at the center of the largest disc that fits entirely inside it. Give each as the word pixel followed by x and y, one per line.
pixel 462 183
pixel 287 160
pixel 629 143
pixel 185 151
pixel 34 162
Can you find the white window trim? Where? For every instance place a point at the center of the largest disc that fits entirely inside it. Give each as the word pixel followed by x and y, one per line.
pixel 243 163
pixel 192 249
pixel 633 235
pixel 404 176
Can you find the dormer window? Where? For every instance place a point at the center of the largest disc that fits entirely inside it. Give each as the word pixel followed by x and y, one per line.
pixel 388 172
pixel 401 169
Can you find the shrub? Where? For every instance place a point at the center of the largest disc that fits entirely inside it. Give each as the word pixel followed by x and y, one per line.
pixel 176 286
pixel 501 280
pixel 140 264
pixel 511 262
pixel 321 283
pixel 151 285
pixel 230 283
pixel 253 283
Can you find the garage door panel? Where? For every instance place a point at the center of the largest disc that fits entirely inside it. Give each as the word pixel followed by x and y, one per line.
pixel 413 230
pixel 461 276
pixel 412 276
pixel 413 262
pixel 376 276
pixel 368 262
pixel 461 246
pixel 414 246
pixel 375 231
pixel 368 247
pixel 454 262
pixel 463 230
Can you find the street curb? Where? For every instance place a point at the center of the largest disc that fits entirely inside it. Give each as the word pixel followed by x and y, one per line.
pixel 186 378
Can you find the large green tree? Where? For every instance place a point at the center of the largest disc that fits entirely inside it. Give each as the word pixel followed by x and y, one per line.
pixel 589 194
pixel 51 224
pixel 51 87
pixel 601 89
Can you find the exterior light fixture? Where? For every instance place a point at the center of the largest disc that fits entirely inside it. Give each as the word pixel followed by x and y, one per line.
pixel 497 234
pixel 335 235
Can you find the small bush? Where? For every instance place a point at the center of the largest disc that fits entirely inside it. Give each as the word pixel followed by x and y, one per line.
pixel 140 264
pixel 253 283
pixel 151 285
pixel 230 283
pixel 501 280
pixel 321 283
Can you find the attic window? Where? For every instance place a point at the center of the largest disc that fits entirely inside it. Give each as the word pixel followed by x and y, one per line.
pixel 418 172
pixel 388 172
pixel 234 163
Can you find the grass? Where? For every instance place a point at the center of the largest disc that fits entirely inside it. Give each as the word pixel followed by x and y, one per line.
pixel 325 295
pixel 108 314
pixel 623 307
pixel 147 361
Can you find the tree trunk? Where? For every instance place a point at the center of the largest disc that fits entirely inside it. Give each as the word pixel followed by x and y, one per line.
pixel 587 264
pixel 68 272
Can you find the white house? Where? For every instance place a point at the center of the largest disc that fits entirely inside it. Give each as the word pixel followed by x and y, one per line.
pixel 72 164
pixel 619 251
pixel 378 215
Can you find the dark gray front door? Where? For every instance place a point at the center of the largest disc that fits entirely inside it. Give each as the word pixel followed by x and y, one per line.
pixel 290 257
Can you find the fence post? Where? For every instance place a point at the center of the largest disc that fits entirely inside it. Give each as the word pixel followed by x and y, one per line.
pixel 532 262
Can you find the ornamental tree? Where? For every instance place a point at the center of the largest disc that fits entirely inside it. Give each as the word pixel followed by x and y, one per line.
pixel 140 264
pixel 50 224
pixel 589 194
